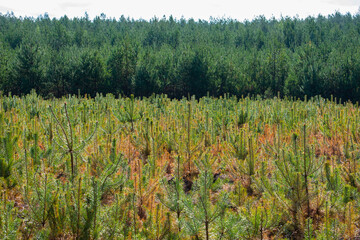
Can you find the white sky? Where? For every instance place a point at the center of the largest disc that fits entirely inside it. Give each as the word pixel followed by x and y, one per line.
pixel 197 9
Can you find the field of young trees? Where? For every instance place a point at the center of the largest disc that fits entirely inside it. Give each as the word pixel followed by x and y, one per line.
pixel 296 57
pixel 161 168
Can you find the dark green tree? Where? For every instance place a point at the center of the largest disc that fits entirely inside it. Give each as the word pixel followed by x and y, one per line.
pixel 122 65
pixel 90 76
pixel 193 72
pixel 28 72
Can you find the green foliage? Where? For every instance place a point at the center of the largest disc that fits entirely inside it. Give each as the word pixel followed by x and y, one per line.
pixel 28 71
pixel 91 73
pixel 9 222
pixel 129 113
pixel 122 65
pixel 67 141
pixel 177 57
pixel 161 168
pixel 204 212
pixel 7 157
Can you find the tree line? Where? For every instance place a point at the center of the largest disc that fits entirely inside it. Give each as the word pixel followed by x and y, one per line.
pixel 287 56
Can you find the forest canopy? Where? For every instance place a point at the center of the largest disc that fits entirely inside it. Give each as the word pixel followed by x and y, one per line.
pixel 287 56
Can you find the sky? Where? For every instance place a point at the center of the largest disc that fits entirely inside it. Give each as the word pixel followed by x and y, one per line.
pixel 196 9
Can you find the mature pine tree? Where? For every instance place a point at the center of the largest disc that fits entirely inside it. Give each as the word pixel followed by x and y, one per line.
pixel 91 73
pixel 28 73
pixel 122 64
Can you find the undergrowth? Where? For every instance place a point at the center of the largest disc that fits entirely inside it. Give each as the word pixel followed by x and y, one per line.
pixel 156 168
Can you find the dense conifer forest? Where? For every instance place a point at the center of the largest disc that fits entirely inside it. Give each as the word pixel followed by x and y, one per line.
pixel 229 162
pixel 287 56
